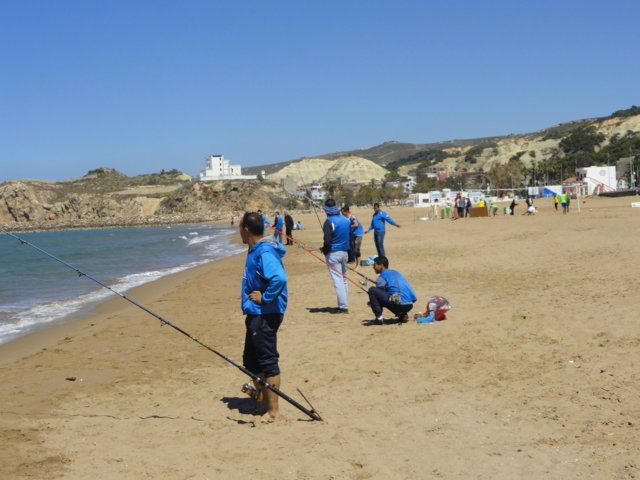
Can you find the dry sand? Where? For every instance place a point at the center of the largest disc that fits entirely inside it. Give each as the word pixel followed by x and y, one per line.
pixel 534 374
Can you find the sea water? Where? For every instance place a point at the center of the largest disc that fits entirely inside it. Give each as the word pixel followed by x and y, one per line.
pixel 36 290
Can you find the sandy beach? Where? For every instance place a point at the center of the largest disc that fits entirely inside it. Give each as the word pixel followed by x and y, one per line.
pixel 533 375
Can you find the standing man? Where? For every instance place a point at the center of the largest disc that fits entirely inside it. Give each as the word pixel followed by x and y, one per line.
pixel 278 225
pixel 392 291
pixel 377 225
pixel 288 226
pixel 264 300
pixel 461 204
pixel 356 234
pixel 563 202
pixel 568 200
pixel 336 231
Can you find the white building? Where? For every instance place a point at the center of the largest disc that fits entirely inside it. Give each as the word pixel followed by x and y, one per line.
pixel 598 179
pixel 318 192
pixel 409 184
pixel 217 168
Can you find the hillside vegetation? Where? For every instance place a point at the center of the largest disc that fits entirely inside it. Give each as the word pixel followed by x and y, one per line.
pixel 553 152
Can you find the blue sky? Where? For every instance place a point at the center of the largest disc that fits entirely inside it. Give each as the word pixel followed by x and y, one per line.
pixel 146 85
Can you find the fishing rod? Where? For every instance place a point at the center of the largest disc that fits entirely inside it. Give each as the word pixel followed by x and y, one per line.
pixel 310 412
pixel 309 250
pixel 350 268
pixel 312 253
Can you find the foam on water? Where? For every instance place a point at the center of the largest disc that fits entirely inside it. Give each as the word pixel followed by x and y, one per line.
pixel 20 316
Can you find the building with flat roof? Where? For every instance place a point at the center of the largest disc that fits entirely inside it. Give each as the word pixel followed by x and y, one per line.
pixel 217 168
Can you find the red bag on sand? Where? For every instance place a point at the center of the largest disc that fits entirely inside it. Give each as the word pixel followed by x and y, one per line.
pixel 440 306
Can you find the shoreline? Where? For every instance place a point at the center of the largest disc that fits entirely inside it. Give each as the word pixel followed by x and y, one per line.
pixel 41 334
pixel 47 334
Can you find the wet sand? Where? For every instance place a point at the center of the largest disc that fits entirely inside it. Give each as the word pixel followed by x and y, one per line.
pixel 534 374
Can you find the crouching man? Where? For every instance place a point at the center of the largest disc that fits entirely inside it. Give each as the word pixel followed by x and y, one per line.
pixel 392 291
pixel 264 300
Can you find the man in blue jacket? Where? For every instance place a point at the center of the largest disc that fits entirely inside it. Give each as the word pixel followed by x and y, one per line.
pixel 392 291
pixel 377 225
pixel 356 234
pixel 278 225
pixel 337 241
pixel 264 300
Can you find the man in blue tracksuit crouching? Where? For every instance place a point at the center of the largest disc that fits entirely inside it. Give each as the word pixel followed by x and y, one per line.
pixel 336 245
pixel 264 300
pixel 377 225
pixel 392 291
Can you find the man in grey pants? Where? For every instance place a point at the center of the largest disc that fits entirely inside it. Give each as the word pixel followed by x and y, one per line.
pixel 337 237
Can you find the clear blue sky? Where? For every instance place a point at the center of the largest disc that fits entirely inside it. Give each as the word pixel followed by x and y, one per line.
pixel 145 85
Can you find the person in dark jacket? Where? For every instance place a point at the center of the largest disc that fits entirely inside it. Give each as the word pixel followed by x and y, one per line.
pixel 392 291
pixel 377 225
pixel 288 227
pixel 337 234
pixel 264 298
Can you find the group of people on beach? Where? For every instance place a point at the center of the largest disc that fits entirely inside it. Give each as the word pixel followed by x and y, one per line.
pixel 264 295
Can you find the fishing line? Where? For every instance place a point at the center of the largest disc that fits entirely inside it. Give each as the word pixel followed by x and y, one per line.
pixel 312 413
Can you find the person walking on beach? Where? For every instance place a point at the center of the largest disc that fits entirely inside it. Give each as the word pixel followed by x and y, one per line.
pixel 356 234
pixel 467 207
pixel 377 225
pixel 568 200
pixel 264 298
pixel 563 202
pixel 392 291
pixel 336 230
pixel 512 207
pixel 556 201
pixel 278 226
pixel 288 226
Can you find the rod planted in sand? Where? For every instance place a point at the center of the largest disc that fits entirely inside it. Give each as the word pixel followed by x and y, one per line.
pixel 311 413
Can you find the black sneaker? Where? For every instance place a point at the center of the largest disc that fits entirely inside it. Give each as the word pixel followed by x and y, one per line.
pixel 340 310
pixel 403 318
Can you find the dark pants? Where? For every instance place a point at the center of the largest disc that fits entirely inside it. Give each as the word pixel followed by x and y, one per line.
pixel 379 299
pixel 289 232
pixel 378 239
pixel 261 344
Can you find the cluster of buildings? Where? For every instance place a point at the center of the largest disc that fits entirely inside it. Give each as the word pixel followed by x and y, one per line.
pixel 587 181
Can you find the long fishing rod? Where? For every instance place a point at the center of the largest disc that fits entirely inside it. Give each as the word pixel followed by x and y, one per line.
pixel 311 412
pixel 310 251
pixel 312 202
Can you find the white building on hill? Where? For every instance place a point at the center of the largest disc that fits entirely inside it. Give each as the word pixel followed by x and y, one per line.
pixel 217 168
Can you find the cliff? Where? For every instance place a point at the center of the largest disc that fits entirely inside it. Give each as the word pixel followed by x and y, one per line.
pixel 105 197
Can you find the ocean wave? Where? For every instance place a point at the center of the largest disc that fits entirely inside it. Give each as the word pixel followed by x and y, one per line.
pixel 21 314
pixel 202 239
pixel 24 320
